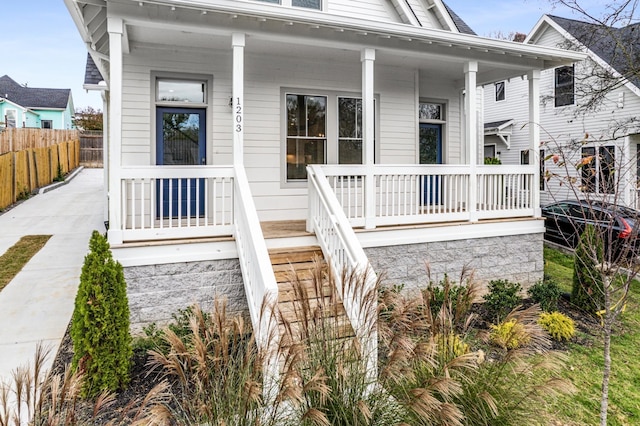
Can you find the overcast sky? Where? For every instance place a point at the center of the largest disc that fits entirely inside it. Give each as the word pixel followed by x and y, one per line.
pixel 40 45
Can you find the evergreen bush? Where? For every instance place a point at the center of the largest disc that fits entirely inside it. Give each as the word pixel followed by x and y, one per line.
pixel 509 335
pixel 588 288
pixel 545 293
pixel 502 298
pixel 100 322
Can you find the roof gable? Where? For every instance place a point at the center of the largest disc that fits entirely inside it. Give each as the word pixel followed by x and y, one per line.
pixel 32 97
pixel 611 47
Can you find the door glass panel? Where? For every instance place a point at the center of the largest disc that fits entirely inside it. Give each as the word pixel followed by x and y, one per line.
pixel 430 144
pixel 180 138
pixel 180 91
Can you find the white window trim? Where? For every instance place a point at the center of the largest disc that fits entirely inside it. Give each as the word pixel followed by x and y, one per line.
pixel 495 91
pixel 495 150
pixel 207 105
pixel 445 131
pixel 7 121
pixel 332 123
pixel 289 3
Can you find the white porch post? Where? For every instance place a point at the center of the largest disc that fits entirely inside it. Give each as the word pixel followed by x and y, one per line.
pixel 471 132
pixel 105 150
pixel 628 172
pixel 534 137
pixel 115 27
pixel 367 58
pixel 238 42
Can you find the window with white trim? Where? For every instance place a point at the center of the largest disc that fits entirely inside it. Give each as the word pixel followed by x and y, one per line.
pixel 10 118
pixel 500 91
pixel 46 124
pixel 598 171
pixel 564 86
pixel 308 4
pixel 306 133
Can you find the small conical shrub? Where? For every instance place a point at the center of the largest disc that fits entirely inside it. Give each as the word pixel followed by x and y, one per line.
pixel 100 323
pixel 588 290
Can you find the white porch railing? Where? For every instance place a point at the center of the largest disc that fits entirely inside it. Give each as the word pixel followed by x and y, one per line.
pixel 164 202
pixel 345 257
pixel 411 194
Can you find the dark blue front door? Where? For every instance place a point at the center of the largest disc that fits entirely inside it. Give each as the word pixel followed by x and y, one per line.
pixel 180 139
pixel 430 153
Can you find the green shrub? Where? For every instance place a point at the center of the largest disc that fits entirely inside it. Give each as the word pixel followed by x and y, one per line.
pixel 509 335
pixel 502 298
pixel 492 160
pixel 558 325
pixel 454 297
pixel 545 293
pixel 588 289
pixel 100 323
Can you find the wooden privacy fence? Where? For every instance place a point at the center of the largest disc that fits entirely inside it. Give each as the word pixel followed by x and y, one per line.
pixel 24 171
pixel 91 149
pixel 20 139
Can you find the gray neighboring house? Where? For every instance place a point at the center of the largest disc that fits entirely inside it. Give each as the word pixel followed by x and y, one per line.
pixel 606 138
pixel 22 106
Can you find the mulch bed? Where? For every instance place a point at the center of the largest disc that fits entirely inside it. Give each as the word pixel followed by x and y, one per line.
pixel 587 327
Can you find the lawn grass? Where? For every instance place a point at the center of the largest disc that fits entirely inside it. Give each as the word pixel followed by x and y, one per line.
pixel 584 367
pixel 14 259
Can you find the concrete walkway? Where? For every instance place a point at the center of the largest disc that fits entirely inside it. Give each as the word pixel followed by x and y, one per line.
pixel 37 304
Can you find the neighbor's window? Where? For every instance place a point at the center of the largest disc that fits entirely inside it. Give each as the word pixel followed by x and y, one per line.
pixel 500 94
pixel 185 91
pixel 306 133
pixel 46 124
pixel 598 172
pixel 10 118
pixel 564 86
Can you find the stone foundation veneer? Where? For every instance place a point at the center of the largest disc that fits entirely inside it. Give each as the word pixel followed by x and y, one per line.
pixel 156 292
pixel 517 258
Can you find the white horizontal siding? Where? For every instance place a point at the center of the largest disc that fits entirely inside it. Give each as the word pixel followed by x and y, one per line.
pixel 376 10
pixel 426 17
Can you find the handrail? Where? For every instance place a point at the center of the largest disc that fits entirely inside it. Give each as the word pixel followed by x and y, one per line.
pixel 346 258
pixel 259 280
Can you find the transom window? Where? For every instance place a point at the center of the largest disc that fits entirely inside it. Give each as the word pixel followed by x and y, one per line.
pixel 306 133
pixel 428 111
pixel 183 91
pixel 500 91
pixel 564 86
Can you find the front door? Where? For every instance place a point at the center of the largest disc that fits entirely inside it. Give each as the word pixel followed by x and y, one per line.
pixel 431 153
pixel 180 139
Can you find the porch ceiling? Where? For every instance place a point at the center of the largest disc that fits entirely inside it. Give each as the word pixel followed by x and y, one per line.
pixel 273 30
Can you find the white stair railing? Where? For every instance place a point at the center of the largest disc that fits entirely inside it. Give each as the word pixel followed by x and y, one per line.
pixel 260 283
pixel 346 258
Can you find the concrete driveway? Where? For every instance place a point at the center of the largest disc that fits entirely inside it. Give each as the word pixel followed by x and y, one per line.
pixel 37 304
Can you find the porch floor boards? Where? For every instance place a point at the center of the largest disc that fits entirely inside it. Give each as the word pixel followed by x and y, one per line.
pixel 296 271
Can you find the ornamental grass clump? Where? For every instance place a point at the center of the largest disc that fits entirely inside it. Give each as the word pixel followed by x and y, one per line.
pixel 558 325
pixel 100 322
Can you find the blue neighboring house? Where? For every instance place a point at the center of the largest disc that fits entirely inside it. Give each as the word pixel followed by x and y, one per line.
pixel 34 107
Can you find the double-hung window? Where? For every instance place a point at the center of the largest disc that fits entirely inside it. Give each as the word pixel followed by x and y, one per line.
pixel 306 133
pixel 564 86
pixel 349 130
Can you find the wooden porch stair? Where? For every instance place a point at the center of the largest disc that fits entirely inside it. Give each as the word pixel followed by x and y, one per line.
pixel 305 295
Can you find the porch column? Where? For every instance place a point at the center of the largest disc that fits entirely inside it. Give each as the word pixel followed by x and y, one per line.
pixel 367 58
pixel 534 137
pixel 115 27
pixel 471 133
pixel 105 149
pixel 238 42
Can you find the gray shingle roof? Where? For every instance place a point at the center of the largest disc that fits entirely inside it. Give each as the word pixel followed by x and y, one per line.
pixel 496 124
pixel 619 47
pixel 92 75
pixel 32 97
pixel 462 26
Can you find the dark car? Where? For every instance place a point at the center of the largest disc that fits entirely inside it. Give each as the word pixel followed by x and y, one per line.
pixel 617 225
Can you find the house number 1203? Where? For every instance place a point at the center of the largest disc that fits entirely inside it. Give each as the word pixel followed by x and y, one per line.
pixel 238 116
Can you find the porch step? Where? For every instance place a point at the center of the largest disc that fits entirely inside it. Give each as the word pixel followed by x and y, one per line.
pixel 305 295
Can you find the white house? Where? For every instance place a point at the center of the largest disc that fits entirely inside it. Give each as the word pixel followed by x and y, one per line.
pixel 241 126
pixel 605 133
